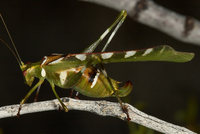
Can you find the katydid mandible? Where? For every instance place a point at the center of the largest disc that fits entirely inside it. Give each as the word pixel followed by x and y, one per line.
pixel 84 71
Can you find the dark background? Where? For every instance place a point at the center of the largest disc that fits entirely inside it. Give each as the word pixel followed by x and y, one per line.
pixel 39 28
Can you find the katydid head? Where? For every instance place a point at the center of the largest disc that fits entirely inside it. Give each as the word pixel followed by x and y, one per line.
pixel 30 71
pixel 27 69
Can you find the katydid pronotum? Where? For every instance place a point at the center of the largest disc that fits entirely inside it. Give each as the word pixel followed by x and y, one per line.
pixel 84 72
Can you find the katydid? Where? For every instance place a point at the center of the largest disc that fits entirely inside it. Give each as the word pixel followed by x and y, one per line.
pixel 84 71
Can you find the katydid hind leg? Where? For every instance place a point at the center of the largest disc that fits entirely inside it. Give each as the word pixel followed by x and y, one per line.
pixel 124 108
pixel 117 23
pixel 55 93
pixel 28 95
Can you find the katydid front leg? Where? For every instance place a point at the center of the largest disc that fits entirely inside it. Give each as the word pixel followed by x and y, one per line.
pixel 28 95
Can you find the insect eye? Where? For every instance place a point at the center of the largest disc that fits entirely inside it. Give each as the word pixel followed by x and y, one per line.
pixel 24 73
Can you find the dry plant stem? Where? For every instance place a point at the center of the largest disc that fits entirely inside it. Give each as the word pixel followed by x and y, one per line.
pixel 104 108
pixel 184 28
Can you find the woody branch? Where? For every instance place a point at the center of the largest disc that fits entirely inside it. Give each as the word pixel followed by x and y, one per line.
pixel 183 28
pixel 104 108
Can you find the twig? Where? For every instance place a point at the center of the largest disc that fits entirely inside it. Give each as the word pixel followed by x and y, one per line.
pixel 103 108
pixel 184 28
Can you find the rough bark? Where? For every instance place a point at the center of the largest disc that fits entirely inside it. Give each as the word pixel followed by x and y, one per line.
pixel 103 108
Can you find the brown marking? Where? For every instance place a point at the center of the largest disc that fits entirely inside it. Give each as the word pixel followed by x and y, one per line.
pixel 128 83
pixel 50 59
pixel 188 26
pixel 88 73
pixel 92 75
pixel 140 6
pixel 125 110
pixel 78 69
pixel 69 55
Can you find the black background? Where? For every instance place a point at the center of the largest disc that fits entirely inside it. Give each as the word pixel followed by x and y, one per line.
pixel 42 27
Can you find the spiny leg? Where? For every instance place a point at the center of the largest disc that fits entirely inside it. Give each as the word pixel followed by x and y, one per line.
pixel 55 93
pixel 28 95
pixel 118 22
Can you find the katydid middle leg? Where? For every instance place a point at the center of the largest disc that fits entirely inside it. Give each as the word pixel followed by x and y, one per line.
pixel 37 93
pixel 55 93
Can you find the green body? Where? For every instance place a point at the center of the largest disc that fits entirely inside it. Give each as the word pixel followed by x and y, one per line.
pixel 71 71
pixel 70 77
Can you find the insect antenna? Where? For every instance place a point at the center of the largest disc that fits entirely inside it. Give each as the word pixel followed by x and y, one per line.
pixel 14 52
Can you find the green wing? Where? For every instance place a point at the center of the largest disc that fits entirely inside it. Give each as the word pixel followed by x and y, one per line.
pixel 159 53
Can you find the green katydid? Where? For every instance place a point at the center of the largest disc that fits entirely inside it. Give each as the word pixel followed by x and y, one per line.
pixel 84 72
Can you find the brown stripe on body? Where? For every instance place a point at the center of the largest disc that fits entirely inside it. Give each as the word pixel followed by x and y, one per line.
pixel 49 59
pixel 90 74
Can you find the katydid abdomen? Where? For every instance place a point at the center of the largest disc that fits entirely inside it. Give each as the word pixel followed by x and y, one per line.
pixel 92 82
